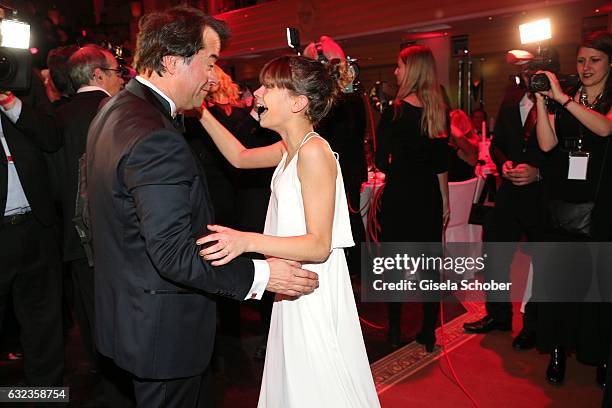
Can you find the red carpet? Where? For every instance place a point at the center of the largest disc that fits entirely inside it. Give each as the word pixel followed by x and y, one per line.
pixel 496 376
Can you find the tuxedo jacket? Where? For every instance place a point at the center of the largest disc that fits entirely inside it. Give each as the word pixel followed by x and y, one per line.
pixel 509 144
pixel 148 199
pixel 34 133
pixel 75 116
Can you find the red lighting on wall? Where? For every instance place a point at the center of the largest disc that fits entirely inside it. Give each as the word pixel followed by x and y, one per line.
pixel 422 36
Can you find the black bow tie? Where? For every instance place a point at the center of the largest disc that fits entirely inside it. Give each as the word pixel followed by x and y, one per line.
pixel 179 123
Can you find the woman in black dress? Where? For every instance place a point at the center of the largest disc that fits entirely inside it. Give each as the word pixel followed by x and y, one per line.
pixel 413 152
pixel 582 124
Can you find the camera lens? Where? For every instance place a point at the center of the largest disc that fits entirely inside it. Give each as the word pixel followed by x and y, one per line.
pixel 15 69
pixel 539 83
pixel 6 67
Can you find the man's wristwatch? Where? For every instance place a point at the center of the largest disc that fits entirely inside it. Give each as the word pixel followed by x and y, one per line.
pixel 538 176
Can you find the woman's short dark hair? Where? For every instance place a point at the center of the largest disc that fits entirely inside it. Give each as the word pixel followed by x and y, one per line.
pixel 176 31
pixel 599 40
pixel 320 83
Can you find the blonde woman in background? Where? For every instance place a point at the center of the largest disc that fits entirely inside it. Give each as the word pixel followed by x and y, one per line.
pixel 413 152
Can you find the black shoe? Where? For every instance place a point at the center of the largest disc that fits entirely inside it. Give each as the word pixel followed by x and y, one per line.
pixel 14 356
pixel 525 340
pixel 394 340
pixel 486 324
pixel 429 341
pixel 602 374
pixel 555 373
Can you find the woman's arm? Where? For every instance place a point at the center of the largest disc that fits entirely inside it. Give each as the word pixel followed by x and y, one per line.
pixel 238 155
pixel 383 140
pixel 443 181
pixel 467 148
pixel 597 123
pixel 545 126
pixel 594 121
pixel 317 171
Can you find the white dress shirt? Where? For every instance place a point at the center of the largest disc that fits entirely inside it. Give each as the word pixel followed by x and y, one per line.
pixel 525 106
pixel 163 95
pixel 89 88
pixel 16 200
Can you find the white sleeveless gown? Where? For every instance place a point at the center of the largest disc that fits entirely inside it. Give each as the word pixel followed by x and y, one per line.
pixel 316 356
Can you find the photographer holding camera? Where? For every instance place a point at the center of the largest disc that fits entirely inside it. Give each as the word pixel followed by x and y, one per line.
pixel 31 267
pixel 30 256
pixel 577 187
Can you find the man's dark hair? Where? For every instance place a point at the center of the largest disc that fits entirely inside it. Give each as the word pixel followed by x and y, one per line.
pixel 59 69
pixel 176 31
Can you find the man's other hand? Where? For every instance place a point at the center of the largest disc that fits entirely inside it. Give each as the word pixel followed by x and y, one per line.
pixel 523 174
pixel 288 278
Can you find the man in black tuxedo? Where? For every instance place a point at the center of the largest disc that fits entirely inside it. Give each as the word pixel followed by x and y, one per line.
pixel 31 269
pixel 155 308
pixel 518 205
pixel 96 75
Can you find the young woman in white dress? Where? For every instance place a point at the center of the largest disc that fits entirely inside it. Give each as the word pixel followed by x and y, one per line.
pixel 315 355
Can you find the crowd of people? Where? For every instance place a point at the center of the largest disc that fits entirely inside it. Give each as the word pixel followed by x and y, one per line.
pixel 174 196
pixel 535 133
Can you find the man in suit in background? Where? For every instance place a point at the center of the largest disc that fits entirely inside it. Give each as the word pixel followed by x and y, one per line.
pixel 31 269
pixel 155 316
pixel 96 75
pixel 518 204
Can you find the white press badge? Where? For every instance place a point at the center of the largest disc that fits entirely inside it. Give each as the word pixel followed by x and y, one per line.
pixel 578 165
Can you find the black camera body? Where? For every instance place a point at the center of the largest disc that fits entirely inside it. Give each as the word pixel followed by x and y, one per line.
pixel 541 83
pixel 15 57
pixel 15 69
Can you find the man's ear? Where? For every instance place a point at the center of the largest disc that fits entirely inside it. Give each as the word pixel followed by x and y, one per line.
pixel 97 76
pixel 170 63
pixel 299 103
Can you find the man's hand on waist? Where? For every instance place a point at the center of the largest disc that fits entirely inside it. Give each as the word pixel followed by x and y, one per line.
pixel 288 278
